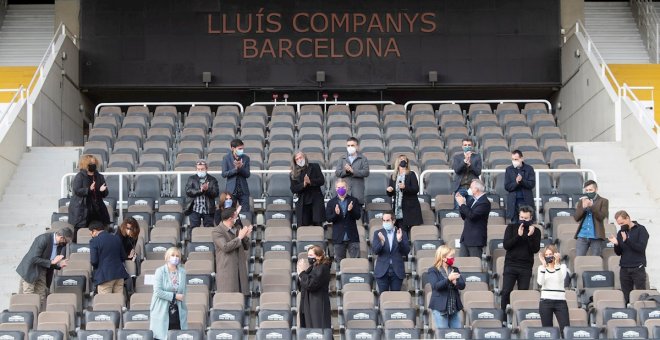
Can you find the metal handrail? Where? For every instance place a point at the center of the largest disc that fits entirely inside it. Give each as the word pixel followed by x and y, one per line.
pixel 96 110
pixel 64 187
pixel 494 101
pixel 648 123
pixel 19 94
pixel 325 102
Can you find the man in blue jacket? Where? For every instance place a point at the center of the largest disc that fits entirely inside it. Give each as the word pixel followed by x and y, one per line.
pixel 107 255
pixel 343 210
pixel 236 169
pixel 391 247
pixel 519 180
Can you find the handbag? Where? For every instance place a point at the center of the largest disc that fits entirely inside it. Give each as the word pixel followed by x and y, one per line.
pixel 173 310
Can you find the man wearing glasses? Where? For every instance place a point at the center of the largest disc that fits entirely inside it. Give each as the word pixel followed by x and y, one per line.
pixel 201 191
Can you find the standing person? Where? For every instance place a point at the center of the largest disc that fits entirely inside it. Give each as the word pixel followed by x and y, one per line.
pixel 403 187
pixel 521 241
pixel 353 168
pixel 45 254
pixel 630 243
pixel 343 210
pixel 519 180
pixel 107 255
pixel 467 167
pixel 550 277
pixel 168 309
pixel 226 201
pixel 306 182
pixel 474 213
pixel 313 282
pixel 89 190
pixel 391 247
pixel 201 191
pixel 231 254
pixel 128 233
pixel 591 212
pixel 446 281
pixel 236 169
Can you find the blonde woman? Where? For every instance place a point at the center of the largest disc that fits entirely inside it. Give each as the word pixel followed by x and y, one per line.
pixel 168 305
pixel 88 190
pixel 550 277
pixel 446 281
pixel 403 189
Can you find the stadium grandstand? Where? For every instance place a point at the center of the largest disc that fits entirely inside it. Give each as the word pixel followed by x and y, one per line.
pixel 149 87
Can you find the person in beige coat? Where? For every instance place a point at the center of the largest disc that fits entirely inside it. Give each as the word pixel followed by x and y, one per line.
pixel 231 254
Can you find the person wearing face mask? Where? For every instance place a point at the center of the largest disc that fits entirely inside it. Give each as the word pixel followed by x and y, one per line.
pixel 201 192
pixel 226 201
pixel 313 282
pixel 474 212
pixel 591 212
pixel 391 246
pixel 88 191
pixel 519 181
pixel 521 241
pixel 232 244
pixel 168 309
pixel 129 232
pixel 466 166
pixel 550 277
pixel 403 187
pixel 446 281
pixel 306 182
pixel 342 211
pixel 107 255
pixel 236 169
pixel 630 243
pixel 353 167
pixel 44 256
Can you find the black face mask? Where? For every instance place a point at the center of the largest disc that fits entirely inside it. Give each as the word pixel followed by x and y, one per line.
pixel 91 167
pixel 403 164
pixel 526 224
pixel 549 259
pixel 625 227
pixel 311 260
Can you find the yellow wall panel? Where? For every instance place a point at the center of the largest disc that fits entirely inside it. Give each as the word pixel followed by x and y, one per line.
pixel 12 77
pixel 640 75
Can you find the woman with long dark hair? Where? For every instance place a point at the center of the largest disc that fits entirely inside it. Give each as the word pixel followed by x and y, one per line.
pixel 313 282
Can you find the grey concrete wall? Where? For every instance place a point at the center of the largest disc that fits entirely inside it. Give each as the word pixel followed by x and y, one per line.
pixel 571 11
pixel 68 12
pixel 12 148
pixel 57 118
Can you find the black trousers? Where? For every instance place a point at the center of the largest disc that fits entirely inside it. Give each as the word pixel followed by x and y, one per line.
pixel 632 277
pixel 558 308
pixel 510 276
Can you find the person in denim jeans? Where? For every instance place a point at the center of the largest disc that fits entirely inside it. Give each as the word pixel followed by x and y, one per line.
pixel 446 281
pixel 591 212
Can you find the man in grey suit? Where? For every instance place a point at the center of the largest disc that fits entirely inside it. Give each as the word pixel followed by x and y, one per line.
pixel 353 168
pixel 46 253
pixel 236 169
pixel 467 166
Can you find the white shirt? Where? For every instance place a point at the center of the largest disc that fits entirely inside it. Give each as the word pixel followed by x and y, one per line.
pixel 552 282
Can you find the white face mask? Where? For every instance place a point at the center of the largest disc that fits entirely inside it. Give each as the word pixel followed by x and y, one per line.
pixel 301 162
pixel 174 260
pixel 469 192
pixel 351 150
pixel 516 164
pixel 201 174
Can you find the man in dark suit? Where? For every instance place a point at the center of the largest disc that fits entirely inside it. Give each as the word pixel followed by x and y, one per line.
pixel 46 253
pixel 474 212
pixel 107 255
pixel 391 247
pixel 343 210
pixel 201 191
pixel 236 169
pixel 519 180
pixel 467 166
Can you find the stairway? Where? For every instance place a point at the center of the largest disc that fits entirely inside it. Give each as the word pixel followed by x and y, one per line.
pixel 25 34
pixel 26 207
pixel 621 184
pixel 613 29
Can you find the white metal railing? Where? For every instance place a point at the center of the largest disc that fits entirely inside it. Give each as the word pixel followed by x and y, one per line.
pixel 145 104
pixel 9 114
pixel 66 180
pixel 325 103
pixel 620 94
pixel 495 101
pixel 47 61
pixel 649 26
